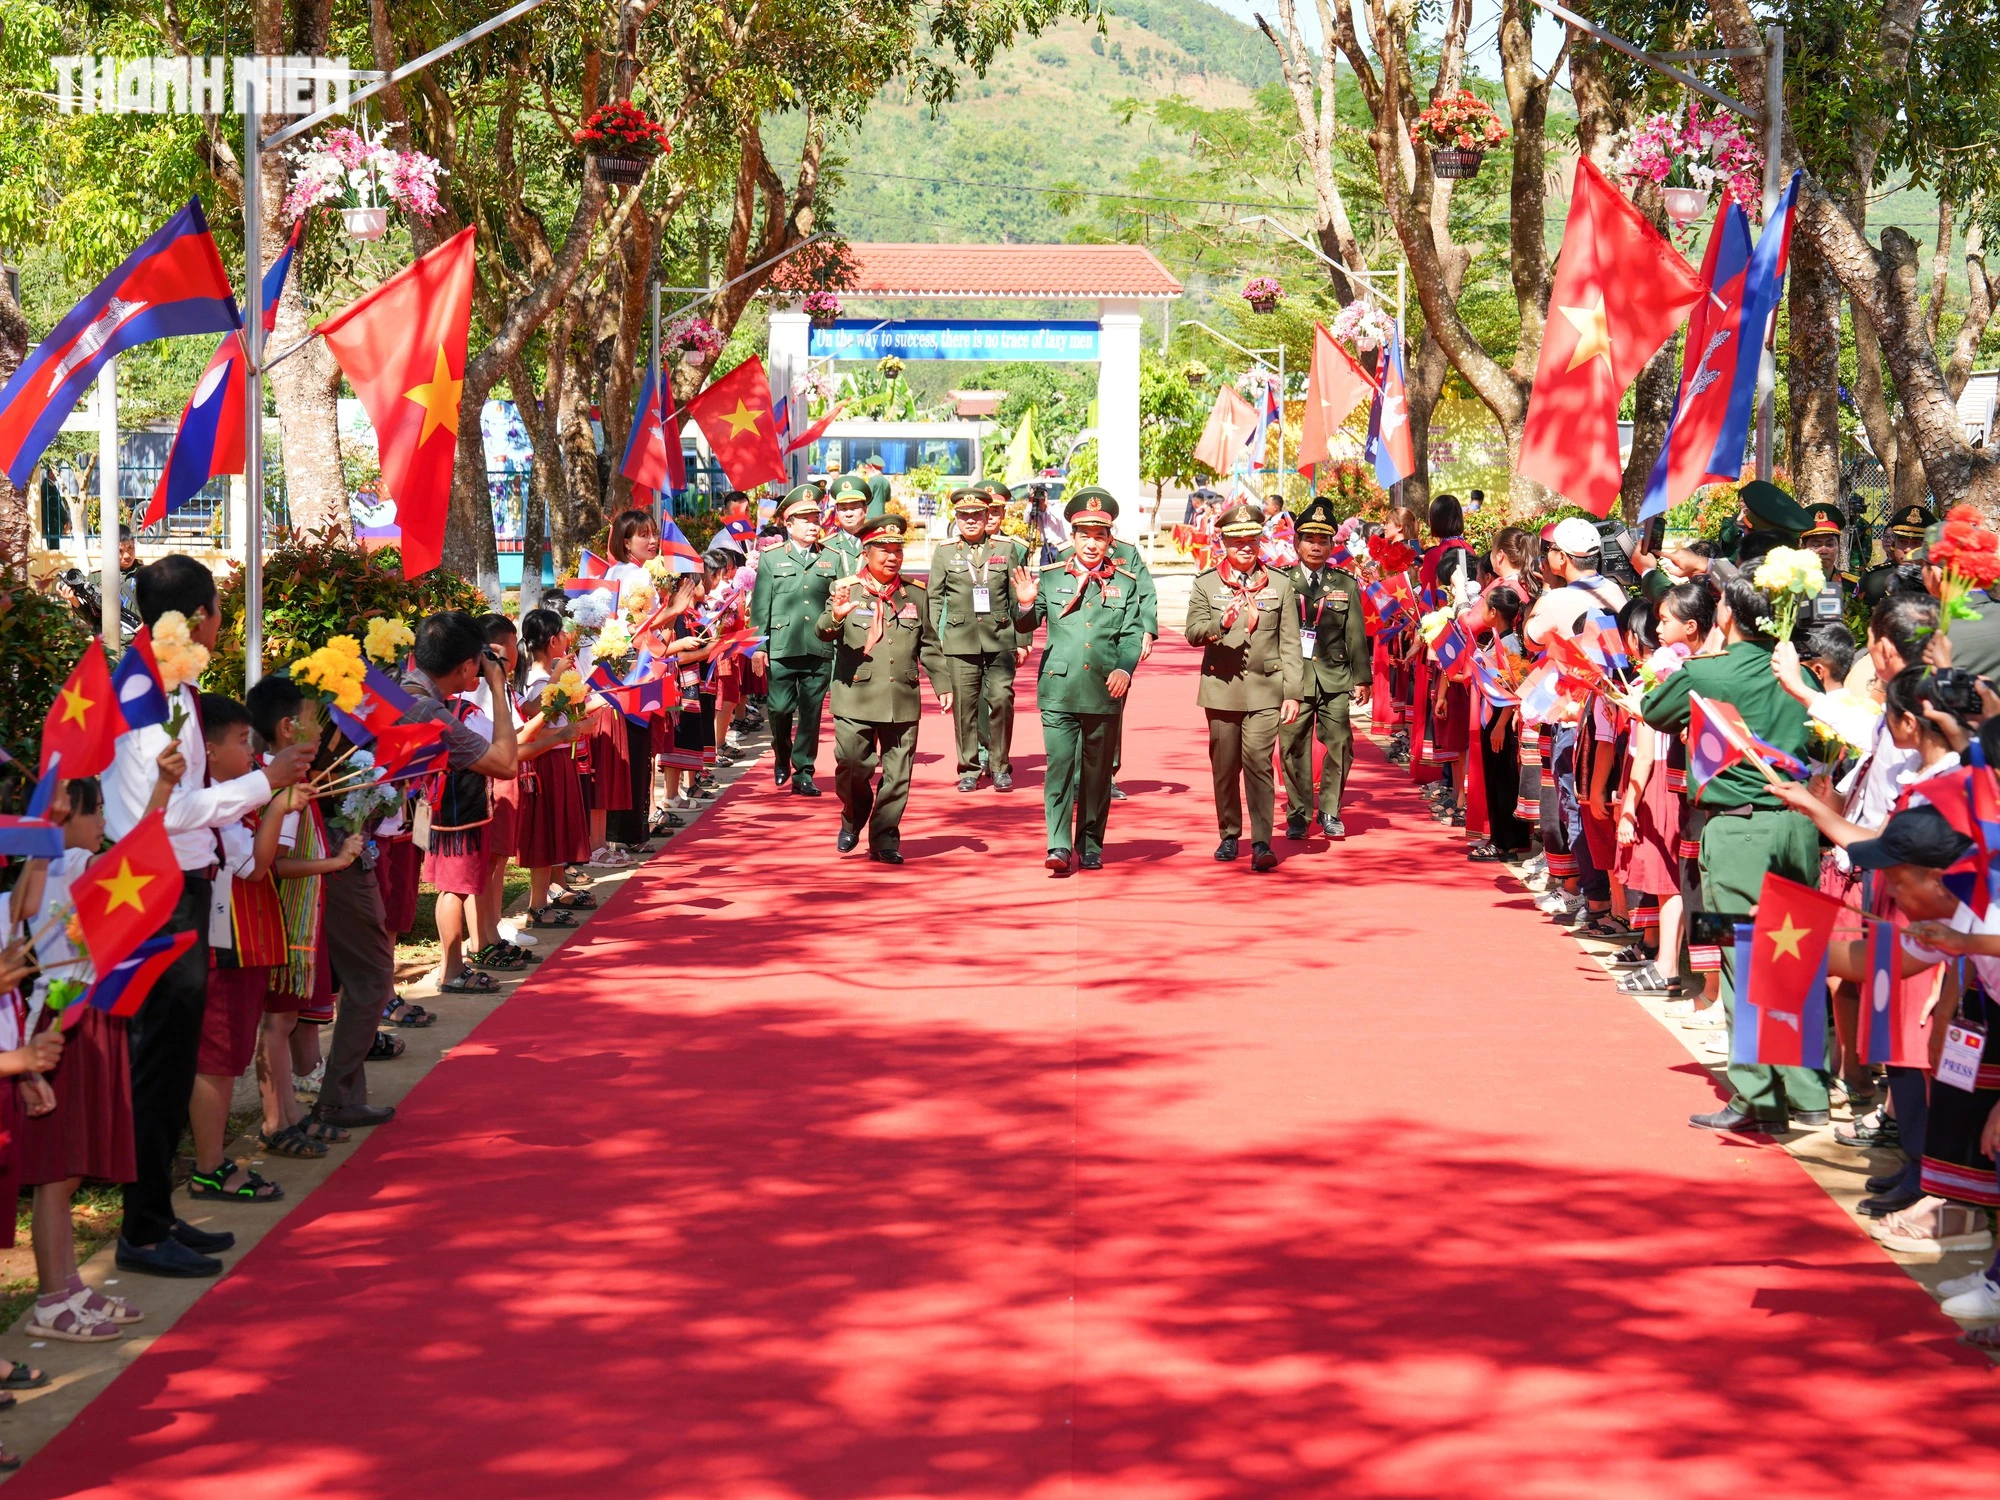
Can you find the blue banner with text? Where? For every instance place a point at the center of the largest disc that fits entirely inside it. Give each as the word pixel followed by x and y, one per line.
pixel 943 338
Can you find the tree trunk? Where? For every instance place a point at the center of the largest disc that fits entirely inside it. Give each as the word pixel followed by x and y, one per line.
pixel 1813 377
pixel 1652 409
pixel 17 519
pixel 1980 297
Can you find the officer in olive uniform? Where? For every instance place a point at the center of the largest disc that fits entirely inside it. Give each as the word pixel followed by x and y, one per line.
pixel 972 596
pixel 1091 605
pixel 1337 665
pixel 1907 529
pixel 1750 830
pixel 851 500
pixel 1245 618
pixel 1770 518
pixel 792 586
pixel 880 625
pixel 1126 556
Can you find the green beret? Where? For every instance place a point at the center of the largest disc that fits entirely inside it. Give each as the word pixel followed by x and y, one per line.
pixel 1091 504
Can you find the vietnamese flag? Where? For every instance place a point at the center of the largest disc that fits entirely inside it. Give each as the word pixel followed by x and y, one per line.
pixel 402 348
pixel 1620 291
pixel 128 893
pixel 734 414
pixel 1227 435
pixel 84 722
pixel 1335 386
pixel 1781 976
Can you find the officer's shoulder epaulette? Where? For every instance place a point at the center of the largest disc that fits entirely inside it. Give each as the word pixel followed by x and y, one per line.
pixel 851 578
pixel 1128 572
pixel 1051 567
pixel 915 583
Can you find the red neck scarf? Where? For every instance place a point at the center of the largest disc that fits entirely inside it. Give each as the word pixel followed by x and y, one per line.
pixel 1084 575
pixel 1243 587
pixel 880 593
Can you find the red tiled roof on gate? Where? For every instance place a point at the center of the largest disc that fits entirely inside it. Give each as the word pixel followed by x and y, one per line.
pixel 1042 272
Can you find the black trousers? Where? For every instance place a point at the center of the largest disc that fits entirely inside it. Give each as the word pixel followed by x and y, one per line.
pixel 165 1040
pixel 630 825
pixel 1502 769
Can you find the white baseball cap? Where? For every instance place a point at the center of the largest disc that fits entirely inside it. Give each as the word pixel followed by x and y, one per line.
pixel 1575 536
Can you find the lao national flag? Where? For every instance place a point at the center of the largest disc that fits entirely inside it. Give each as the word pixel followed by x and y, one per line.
pixel 30 837
pixel 125 987
pixel 1763 288
pixel 1390 447
pixel 383 704
pixel 653 451
pixel 1487 674
pixel 172 285
pixel 1781 977
pixel 1710 750
pixel 1708 363
pixel 142 693
pixel 1449 647
pixel 209 440
pixel 743 531
pixel 590 565
pixel 1541 695
pixel 1269 416
pixel 676 548
pixel 1894 1026
pixel 1600 639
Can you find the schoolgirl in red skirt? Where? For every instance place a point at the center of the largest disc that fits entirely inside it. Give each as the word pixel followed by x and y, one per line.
pixel 552 827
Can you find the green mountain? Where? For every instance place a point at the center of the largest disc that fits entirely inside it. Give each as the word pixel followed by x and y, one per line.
pixel 1047 113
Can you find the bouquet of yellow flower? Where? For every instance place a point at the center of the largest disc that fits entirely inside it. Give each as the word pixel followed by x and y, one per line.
pixel 1788 575
pixel 388 638
pixel 565 697
pixel 180 661
pixel 613 644
pixel 638 601
pixel 1433 625
pixel 661 571
pixel 333 673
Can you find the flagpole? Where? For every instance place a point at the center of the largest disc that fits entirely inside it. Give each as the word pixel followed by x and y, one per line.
pixel 253 385
pixel 108 517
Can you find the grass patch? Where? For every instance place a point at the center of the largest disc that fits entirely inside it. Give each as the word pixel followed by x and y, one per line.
pixel 94 1214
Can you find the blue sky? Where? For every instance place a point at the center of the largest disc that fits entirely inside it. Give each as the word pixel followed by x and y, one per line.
pixel 1485 27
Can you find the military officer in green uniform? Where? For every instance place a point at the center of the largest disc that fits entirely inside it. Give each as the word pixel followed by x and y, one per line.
pixel 1749 830
pixel 972 599
pixel 1245 617
pixel 879 624
pixel 851 499
pixel 1126 556
pixel 1770 518
pixel 1337 666
pixel 792 586
pixel 1091 606
pixel 1908 526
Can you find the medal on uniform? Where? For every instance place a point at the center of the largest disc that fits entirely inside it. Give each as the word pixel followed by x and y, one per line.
pixel 982 599
pixel 1959 1066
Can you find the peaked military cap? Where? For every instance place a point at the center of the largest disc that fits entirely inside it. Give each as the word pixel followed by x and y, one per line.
pixel 1318 518
pixel 1092 505
pixel 1240 520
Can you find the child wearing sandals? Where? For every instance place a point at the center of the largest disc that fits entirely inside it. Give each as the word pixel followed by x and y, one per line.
pixel 553 829
pixel 242 950
pixel 22 1060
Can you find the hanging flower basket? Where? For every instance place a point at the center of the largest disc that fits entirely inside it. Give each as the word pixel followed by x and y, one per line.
pixel 365 223
pixel 1263 294
pixel 822 307
pixel 696 336
pixel 362 179
pixel 1686 204
pixel 1195 373
pixel 1363 324
pixel 1460 129
pixel 622 139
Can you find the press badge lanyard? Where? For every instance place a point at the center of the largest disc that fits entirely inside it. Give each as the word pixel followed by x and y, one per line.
pixel 982 596
pixel 1964 1043
pixel 1309 634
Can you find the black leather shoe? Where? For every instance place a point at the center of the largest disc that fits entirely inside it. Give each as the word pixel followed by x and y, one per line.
pixel 168 1258
pixel 1332 827
pixel 885 856
pixel 1733 1119
pixel 782 771
pixel 1003 781
pixel 1117 792
pixel 1295 828
pixel 1895 1200
pixel 1058 859
pixel 1882 1182
pixel 1092 862
pixel 802 785
pixel 200 1240
pixel 1226 850
pixel 847 840
pixel 1809 1117
pixel 969 782
pixel 1262 858
pixel 357 1115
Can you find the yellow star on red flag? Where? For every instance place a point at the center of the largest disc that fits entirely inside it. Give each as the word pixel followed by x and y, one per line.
pixel 439 398
pixel 125 887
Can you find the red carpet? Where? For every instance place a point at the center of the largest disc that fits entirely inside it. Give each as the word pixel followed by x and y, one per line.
pixel 801 1177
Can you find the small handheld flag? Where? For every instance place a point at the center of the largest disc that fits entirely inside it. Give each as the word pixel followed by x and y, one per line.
pixel 1390 446
pixel 1781 963
pixel 84 723
pixel 142 692
pixel 383 703
pixel 128 893
pixel 676 548
pixel 127 983
pixel 30 838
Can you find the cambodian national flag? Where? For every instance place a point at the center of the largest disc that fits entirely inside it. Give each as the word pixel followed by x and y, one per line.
pixel 590 565
pixel 122 991
pixel 677 549
pixel 1486 673
pixel 210 439
pixel 142 692
pixel 406 750
pixel 384 701
pixel 1708 363
pixel 45 789
pixel 1601 641
pixel 1763 289
pixel 1541 695
pixel 172 285
pixel 1390 447
pixel 30 838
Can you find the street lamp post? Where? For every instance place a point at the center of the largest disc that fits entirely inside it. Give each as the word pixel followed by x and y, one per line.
pixel 1365 277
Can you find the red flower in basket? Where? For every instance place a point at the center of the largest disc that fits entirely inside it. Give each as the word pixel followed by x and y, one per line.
pixel 1968 556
